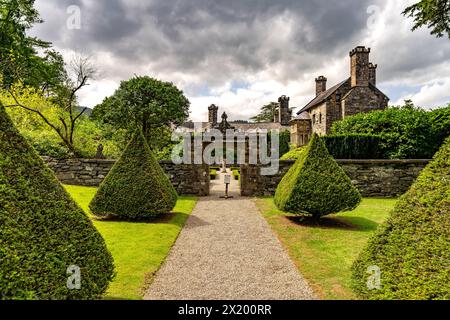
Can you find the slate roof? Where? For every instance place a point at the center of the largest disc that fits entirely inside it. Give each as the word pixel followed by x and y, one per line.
pixel 322 97
pixel 303 116
pixel 239 126
pixel 258 126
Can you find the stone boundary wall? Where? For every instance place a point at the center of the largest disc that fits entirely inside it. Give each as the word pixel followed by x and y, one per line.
pixel 373 178
pixel 187 179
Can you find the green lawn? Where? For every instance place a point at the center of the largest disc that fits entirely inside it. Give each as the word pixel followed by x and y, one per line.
pixel 325 252
pixel 138 248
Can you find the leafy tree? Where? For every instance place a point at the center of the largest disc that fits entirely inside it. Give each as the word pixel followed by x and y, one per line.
pixel 89 133
pixel 267 113
pixel 146 103
pixel 19 59
pixel 435 14
pixel 21 63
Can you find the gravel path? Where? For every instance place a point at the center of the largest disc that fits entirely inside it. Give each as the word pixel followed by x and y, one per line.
pixel 228 251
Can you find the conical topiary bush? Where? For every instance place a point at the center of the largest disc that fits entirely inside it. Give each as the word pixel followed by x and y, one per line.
pixel 137 187
pixel 412 249
pixel 316 184
pixel 44 235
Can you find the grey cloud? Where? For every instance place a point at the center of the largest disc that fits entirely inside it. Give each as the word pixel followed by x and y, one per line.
pixel 215 42
pixel 203 32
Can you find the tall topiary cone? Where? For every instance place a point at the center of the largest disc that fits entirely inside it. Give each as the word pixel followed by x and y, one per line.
pixel 137 187
pixel 412 249
pixel 43 233
pixel 316 184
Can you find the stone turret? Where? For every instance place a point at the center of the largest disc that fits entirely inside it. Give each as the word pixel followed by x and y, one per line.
pixel 284 113
pixel 359 61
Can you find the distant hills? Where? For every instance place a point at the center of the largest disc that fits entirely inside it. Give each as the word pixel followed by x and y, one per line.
pixel 88 111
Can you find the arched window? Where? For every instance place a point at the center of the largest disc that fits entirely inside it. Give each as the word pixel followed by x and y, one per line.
pixel 314 119
pixel 320 118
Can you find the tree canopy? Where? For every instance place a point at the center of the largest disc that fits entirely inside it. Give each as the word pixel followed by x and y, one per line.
pixel 30 62
pixel 19 58
pixel 152 105
pixel 434 14
pixel 144 102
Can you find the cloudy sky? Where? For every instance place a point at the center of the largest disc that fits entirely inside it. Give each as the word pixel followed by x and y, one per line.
pixel 241 54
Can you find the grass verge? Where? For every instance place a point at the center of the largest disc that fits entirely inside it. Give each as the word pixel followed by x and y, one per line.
pixel 138 249
pixel 324 252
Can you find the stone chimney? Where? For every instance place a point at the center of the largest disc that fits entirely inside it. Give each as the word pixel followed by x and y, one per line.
pixel 321 85
pixel 284 113
pixel 212 114
pixel 373 73
pixel 359 61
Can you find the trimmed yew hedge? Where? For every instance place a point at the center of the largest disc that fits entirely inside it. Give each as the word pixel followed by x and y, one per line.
pixel 136 187
pixel 356 146
pixel 316 184
pixel 412 249
pixel 43 232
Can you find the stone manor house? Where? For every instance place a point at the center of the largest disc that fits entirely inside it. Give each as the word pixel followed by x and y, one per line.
pixel 358 93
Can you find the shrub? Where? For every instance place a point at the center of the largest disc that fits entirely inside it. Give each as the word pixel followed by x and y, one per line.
pixel 42 230
pixel 355 146
pixel 407 132
pixel 294 154
pixel 284 141
pixel 213 174
pixel 137 187
pixel 316 184
pixel 236 174
pixel 412 247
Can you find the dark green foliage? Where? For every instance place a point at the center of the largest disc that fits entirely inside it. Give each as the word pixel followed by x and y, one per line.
pixel 440 124
pixel 294 154
pixel 267 113
pixel 42 230
pixel 137 187
pixel 434 14
pixel 152 105
pixel 316 184
pixel 144 102
pixel 412 249
pixel 407 132
pixel 355 146
pixel 284 141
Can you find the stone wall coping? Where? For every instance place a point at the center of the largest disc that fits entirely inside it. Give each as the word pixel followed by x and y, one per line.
pixel 108 161
pixel 343 161
pixel 383 161
pixel 372 161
